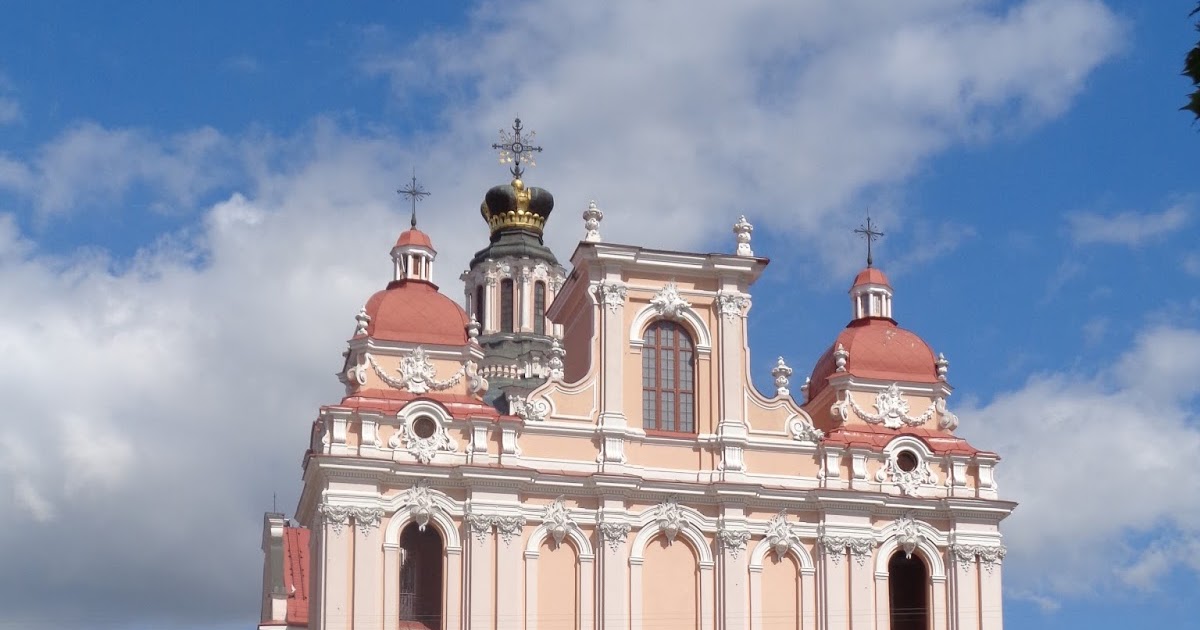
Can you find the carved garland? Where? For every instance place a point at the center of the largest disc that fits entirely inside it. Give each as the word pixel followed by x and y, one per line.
pixel 835 546
pixel 990 556
pixel 892 408
pixel 337 516
pixel 417 374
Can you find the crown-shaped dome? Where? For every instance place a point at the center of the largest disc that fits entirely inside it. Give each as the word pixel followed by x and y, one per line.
pixel 513 206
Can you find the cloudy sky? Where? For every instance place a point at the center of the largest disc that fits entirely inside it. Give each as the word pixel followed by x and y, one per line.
pixel 196 198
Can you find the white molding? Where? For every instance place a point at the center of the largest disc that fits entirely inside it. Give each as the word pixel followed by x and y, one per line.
pixel 702 336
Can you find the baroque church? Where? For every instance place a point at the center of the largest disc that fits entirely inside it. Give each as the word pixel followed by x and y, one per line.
pixel 582 447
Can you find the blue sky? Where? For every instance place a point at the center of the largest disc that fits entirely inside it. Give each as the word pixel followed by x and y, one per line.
pixel 195 198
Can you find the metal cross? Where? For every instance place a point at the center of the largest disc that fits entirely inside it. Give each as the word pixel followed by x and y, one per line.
pixel 414 192
pixel 870 233
pixel 515 148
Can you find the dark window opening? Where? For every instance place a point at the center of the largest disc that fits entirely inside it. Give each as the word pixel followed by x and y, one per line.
pixel 478 306
pixel 908 592
pixel 421 576
pixel 668 378
pixel 424 427
pixel 539 308
pixel 506 306
pixel 906 461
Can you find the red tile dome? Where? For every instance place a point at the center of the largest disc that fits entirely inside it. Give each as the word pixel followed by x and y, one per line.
pixel 414 311
pixel 879 349
pixel 871 275
pixel 414 237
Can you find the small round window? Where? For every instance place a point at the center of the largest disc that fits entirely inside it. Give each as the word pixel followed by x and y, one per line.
pixel 906 461
pixel 424 427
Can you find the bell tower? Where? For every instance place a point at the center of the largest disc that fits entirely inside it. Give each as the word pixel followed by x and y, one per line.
pixel 511 282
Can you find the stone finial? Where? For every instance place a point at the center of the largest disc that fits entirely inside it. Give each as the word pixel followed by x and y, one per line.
pixel 840 356
pixel 473 329
pixel 804 387
pixel 743 229
pixel 591 221
pixel 781 372
pixel 943 366
pixel 362 320
pixel 555 364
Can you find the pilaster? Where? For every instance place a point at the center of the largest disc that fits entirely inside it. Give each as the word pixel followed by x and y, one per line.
pixel 612 568
pixel 368 568
pixel 478 601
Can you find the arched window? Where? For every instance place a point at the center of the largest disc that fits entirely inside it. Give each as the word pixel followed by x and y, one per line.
pixel 421 576
pixel 539 308
pixel 908 592
pixel 506 306
pixel 668 378
pixel 479 306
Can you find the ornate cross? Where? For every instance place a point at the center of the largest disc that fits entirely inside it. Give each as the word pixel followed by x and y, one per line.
pixel 870 233
pixel 515 148
pixel 415 192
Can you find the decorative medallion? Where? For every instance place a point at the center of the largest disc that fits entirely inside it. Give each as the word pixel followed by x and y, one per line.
pixel 611 293
pixel 558 521
pixel 423 437
pixel 908 535
pixel 420 503
pixel 781 535
pixel 669 303
pixel 909 481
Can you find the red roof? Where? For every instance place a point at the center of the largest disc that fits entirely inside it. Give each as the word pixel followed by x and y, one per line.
pixel 879 349
pixel 871 275
pixel 414 311
pixel 295 574
pixel 876 437
pixel 414 237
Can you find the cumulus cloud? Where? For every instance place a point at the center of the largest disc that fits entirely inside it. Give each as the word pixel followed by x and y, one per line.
pixel 1127 228
pixel 1097 459
pixel 166 397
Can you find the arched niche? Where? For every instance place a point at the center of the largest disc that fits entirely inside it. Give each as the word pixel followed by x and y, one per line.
pixel 584 576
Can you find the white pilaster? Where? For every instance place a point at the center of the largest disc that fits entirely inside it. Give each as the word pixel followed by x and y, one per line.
pixel 368 576
pixel 481 575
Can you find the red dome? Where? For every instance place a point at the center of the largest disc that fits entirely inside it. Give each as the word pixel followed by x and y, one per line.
pixel 415 312
pixel 414 237
pixel 871 275
pixel 879 349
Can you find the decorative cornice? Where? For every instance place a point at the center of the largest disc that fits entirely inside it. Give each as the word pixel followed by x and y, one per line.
pixel 668 303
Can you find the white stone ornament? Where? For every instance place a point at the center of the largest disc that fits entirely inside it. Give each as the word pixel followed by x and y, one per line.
pixel 732 305
pixel 908 535
pixel 614 534
pixel 733 540
pixel 367 519
pixel 480 525
pixel 990 556
pixel 555 365
pixel 948 420
pixel 558 521
pixel 780 373
pixel 528 410
pixel 742 230
pixel 611 294
pixel 420 504
pixel 669 518
pixel 802 430
pixel 908 481
pixel 473 328
pixel 591 222
pixel 335 515
pixel 669 303
pixel 781 535
pixel 361 322
pixel 417 373
pixel 943 366
pixel 892 408
pixel 423 448
pixel 858 548
pixel 840 356
pixel 509 527
pixel 805 386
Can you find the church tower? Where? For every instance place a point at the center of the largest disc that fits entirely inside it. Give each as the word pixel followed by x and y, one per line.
pixel 512 281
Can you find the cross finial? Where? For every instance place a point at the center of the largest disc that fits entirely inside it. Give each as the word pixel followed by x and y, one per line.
pixel 414 192
pixel 870 233
pixel 515 148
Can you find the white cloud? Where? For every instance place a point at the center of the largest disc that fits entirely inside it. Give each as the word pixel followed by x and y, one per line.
pixel 185 380
pixel 10 110
pixel 1095 459
pixel 1127 228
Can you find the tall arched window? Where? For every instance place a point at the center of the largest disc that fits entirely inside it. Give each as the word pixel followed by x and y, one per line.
pixel 506 306
pixel 479 306
pixel 421 576
pixel 539 308
pixel 908 592
pixel 668 378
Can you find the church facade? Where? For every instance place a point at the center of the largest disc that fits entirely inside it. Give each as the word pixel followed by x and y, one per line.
pixel 583 447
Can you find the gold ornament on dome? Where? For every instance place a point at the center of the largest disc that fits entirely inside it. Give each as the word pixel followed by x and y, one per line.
pixel 519 217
